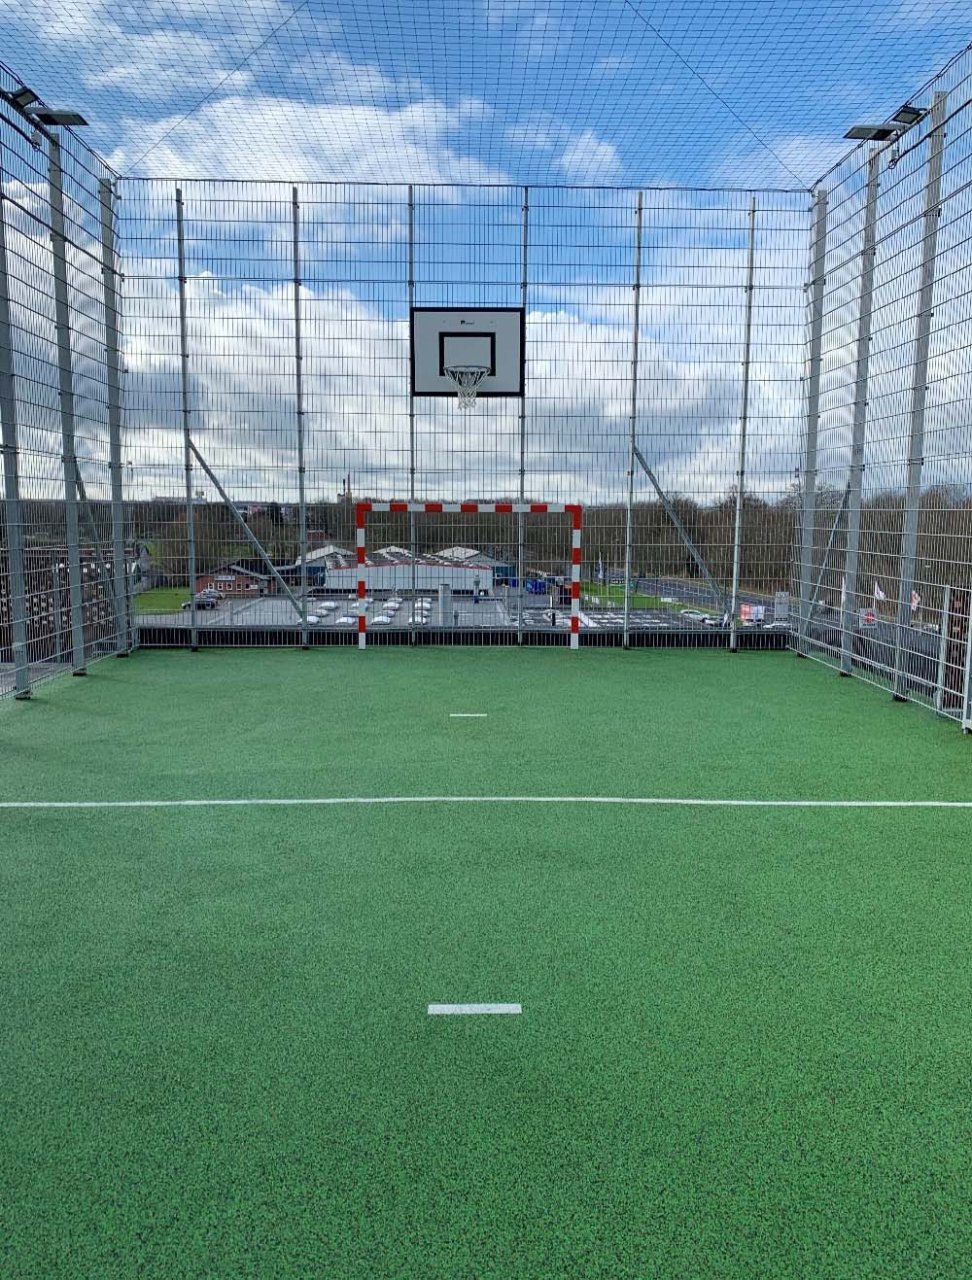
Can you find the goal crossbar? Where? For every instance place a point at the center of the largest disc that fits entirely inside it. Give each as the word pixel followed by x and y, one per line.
pixel 363 509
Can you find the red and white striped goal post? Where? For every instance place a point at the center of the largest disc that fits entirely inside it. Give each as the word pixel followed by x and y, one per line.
pixel 363 509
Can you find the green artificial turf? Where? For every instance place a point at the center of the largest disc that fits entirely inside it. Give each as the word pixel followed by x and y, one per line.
pixel 744 1041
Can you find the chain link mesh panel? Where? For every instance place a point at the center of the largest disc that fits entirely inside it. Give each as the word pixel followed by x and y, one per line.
pixel 64 552
pixel 647 312
pixel 887 540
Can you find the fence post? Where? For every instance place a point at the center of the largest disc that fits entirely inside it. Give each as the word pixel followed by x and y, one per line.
pixel 65 374
pixel 809 513
pixel 632 425
pixel 743 424
pixel 119 574
pixel 412 534
pixel 186 420
pixel 855 478
pixel 299 391
pixel 13 516
pixel 521 489
pixel 919 391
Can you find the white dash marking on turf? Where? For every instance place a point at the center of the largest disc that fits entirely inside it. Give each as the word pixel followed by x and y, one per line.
pixel 468 715
pixel 444 1009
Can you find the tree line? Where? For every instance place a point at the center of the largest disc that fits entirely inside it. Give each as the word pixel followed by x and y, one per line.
pixel 770 536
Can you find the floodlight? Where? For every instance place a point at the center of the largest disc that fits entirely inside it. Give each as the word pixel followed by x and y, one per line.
pixel 872 132
pixel 59 118
pixel 906 116
pixel 23 97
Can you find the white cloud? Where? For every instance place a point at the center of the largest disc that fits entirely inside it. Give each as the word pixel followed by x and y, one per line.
pixel 332 75
pixel 583 157
pixel 163 65
pixel 290 140
pixel 587 158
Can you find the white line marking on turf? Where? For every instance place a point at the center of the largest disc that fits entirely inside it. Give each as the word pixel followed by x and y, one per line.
pixel 283 802
pixel 468 715
pixel 473 1008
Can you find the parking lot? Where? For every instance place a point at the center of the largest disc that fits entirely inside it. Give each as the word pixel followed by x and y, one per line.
pixel 340 612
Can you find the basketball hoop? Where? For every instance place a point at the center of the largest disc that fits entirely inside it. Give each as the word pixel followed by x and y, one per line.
pixel 467 378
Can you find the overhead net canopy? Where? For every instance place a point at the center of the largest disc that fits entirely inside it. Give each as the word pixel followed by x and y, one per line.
pixel 628 92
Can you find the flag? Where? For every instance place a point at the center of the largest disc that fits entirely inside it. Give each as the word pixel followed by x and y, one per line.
pixel 915 600
pixel 600 569
pixel 878 593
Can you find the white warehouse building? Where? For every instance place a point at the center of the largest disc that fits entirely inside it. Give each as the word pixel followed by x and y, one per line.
pixel 391 569
pixel 427 577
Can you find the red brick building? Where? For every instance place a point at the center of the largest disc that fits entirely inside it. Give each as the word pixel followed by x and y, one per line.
pixel 234 580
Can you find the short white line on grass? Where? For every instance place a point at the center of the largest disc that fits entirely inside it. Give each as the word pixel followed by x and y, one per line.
pixel 473 1008
pixel 284 802
pixel 468 715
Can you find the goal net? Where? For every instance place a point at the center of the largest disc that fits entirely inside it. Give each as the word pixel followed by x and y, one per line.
pixel 469 572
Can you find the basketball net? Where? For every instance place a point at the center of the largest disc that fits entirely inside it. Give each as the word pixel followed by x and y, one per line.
pixel 467 378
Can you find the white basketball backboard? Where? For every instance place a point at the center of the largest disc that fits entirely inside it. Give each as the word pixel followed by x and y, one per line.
pixel 490 337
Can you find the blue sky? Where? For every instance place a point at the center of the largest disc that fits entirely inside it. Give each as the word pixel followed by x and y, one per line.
pixel 699 92
pixel 582 91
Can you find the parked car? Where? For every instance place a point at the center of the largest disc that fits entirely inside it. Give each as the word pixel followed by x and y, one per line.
pixel 204 600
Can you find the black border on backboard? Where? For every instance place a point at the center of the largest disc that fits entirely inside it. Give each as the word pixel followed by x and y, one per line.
pixel 492 348
pixel 514 395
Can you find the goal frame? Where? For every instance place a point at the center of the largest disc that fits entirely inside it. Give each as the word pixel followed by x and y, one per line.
pixel 576 512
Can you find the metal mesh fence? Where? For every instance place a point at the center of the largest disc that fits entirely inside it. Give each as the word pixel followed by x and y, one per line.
pixel 63 559
pixel 757 398
pixel 886 547
pixel 269 349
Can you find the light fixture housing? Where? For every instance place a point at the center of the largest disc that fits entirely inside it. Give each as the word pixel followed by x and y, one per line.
pixel 59 118
pixel 907 115
pixel 23 97
pixel 873 132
